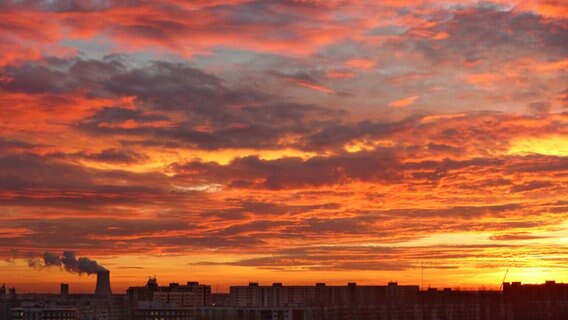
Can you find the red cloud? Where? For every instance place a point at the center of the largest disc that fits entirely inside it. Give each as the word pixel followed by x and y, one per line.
pixel 403 102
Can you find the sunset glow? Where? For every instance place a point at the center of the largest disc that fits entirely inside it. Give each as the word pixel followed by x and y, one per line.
pixel 291 141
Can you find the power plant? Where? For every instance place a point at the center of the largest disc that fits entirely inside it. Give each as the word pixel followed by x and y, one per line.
pixel 103 284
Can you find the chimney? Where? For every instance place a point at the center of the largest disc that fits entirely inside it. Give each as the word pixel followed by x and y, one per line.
pixel 103 284
pixel 64 290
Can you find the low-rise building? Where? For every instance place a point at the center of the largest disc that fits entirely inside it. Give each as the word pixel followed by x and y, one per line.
pixel 44 313
pixel 172 301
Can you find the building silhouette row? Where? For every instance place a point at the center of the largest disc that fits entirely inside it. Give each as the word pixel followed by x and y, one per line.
pixel 194 301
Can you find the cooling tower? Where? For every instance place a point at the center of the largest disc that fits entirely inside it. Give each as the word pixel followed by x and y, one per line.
pixel 103 284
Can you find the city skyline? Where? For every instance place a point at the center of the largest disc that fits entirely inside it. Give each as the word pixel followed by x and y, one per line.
pixel 237 141
pixel 195 301
pixel 104 284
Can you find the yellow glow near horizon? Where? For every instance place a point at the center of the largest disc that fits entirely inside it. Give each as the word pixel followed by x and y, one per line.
pixel 358 146
pixel 159 159
pixel 532 275
pixel 552 145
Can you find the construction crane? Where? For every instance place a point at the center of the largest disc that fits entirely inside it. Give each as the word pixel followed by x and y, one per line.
pixel 504 277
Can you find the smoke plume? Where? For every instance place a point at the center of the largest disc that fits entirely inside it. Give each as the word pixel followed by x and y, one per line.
pixel 70 263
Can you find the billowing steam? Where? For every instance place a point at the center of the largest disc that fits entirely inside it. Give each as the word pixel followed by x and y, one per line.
pixel 67 261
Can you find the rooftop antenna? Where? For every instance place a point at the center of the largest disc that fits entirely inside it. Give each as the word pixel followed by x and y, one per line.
pixel 422 275
pixel 504 277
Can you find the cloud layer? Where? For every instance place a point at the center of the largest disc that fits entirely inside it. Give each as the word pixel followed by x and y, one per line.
pixel 285 136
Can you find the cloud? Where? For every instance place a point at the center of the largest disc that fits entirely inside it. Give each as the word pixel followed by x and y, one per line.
pixel 361 63
pixel 516 236
pixel 232 24
pixel 312 85
pixel 403 102
pixel 128 102
pixel 279 136
pixel 382 258
pixel 339 74
pixel 109 156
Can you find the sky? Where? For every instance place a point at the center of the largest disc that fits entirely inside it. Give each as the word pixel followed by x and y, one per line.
pixel 424 142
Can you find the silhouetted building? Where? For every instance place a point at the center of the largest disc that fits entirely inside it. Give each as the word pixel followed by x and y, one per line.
pixel 8 300
pixel 4 305
pixel 321 294
pixel 191 295
pixel 258 313
pixel 548 301
pixel 354 302
pixel 142 301
pixel 153 311
pixel 463 305
pixel 57 313
pixel 193 301
pixel 102 309
pixel 317 302
pixel 88 306
pixel 64 290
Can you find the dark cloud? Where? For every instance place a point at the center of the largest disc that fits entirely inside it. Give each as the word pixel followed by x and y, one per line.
pixel 94 234
pixel 540 108
pixel 62 5
pixel 539 163
pixel 116 155
pixel 46 172
pixel 178 105
pixel 117 115
pixel 253 172
pixel 491 34
pixel 380 166
pixel 111 155
pixel 213 115
pixel 19 171
pixel 49 180
pixel 517 236
pixel 533 185
pixel 8 144
pixel 337 135
pixel 56 75
pixel 242 208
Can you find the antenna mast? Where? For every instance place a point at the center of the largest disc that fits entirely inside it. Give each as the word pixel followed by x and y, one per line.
pixel 422 275
pixel 504 277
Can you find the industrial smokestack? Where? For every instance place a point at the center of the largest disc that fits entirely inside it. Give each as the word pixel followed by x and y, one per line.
pixel 64 290
pixel 69 262
pixel 103 284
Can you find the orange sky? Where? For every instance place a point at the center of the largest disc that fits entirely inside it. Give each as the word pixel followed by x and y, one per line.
pixel 293 141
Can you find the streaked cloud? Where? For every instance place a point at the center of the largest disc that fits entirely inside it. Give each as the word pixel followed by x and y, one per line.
pixel 337 139
pixel 403 102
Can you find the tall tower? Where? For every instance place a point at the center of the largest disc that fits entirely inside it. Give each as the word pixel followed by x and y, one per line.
pixel 103 284
pixel 64 291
